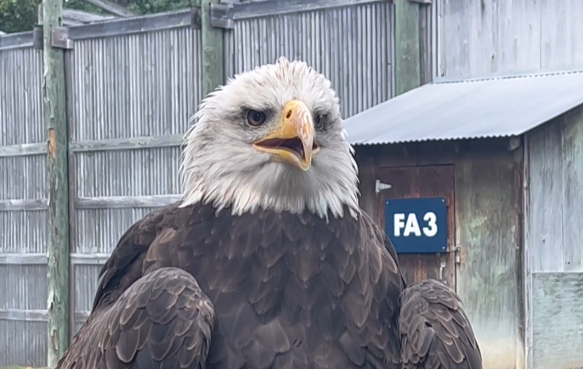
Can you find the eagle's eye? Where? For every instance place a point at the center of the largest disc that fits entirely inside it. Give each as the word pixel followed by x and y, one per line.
pixel 319 122
pixel 256 118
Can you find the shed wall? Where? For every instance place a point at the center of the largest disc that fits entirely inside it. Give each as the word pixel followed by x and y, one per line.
pixel 488 223
pixel 484 37
pixel 554 252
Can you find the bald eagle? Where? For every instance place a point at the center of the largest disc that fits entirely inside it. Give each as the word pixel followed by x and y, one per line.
pixel 267 261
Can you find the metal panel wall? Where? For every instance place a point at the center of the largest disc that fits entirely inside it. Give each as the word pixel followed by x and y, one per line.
pixel 23 290
pixel 129 101
pixel 353 46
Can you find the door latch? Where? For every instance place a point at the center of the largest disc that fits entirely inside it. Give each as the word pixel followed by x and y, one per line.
pixel 380 186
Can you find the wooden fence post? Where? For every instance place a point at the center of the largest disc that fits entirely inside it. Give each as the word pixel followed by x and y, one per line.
pixel 213 69
pixel 408 58
pixel 58 186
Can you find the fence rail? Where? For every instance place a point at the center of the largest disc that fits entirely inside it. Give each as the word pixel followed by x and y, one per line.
pixel 132 84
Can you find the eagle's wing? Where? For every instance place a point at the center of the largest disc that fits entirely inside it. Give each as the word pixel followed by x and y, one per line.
pixel 163 320
pixel 161 315
pixel 435 331
pixel 125 264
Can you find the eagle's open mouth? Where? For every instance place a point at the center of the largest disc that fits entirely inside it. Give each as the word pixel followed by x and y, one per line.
pixel 292 145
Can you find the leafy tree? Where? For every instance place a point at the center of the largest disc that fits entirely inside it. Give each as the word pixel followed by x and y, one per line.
pixel 18 15
pixel 156 6
pixel 21 15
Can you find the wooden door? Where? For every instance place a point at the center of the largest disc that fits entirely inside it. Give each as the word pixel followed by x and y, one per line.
pixel 423 181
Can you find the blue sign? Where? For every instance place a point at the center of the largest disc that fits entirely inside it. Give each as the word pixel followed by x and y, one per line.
pixel 417 225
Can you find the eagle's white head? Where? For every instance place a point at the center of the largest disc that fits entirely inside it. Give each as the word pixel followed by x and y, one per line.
pixel 271 138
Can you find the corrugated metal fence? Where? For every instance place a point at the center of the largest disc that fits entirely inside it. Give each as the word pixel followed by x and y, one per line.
pixel 131 87
pixel 23 274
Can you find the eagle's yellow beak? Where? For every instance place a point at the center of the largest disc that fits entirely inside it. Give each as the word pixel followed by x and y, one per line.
pixel 293 139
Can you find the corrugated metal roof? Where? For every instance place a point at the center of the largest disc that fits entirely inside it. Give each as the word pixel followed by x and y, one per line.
pixel 496 107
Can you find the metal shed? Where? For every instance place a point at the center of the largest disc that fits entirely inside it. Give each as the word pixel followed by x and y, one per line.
pixel 506 154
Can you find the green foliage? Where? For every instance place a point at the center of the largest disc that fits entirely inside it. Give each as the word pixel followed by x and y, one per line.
pixel 82 5
pixel 158 6
pixel 18 15
pixel 21 15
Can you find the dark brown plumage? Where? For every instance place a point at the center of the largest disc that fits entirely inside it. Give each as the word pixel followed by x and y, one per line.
pixel 289 274
pixel 435 331
pixel 289 291
pixel 162 316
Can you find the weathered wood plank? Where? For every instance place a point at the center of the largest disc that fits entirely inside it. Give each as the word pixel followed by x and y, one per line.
pixel 486 226
pixel 89 259
pixel 81 316
pixel 561 34
pixel 546 198
pixel 74 17
pixel 23 205
pixel 558 318
pixel 527 250
pixel 428 152
pixel 23 315
pixel 16 40
pixel 79 16
pixel 23 150
pixel 253 9
pixel 112 8
pixel 517 34
pixel 213 68
pixel 130 143
pixel 55 110
pixel 134 25
pixel 40 259
pixel 426 42
pixel 517 203
pixel 407 58
pixel 573 188
pixel 397 155
pixel 23 259
pixel 120 202
pixel 482 37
